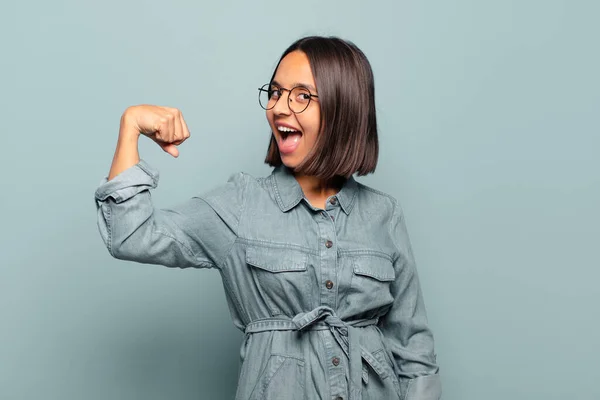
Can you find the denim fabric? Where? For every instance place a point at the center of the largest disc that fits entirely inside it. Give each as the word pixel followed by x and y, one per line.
pixel 329 299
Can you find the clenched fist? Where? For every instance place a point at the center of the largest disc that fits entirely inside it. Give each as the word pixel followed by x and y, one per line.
pixel 164 125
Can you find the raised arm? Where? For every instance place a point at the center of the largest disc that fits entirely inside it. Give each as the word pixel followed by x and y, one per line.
pixel 197 233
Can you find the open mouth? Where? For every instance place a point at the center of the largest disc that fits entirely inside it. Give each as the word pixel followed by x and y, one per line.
pixel 285 131
pixel 289 139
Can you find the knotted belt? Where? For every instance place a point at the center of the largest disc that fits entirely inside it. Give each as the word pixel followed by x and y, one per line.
pixel 345 333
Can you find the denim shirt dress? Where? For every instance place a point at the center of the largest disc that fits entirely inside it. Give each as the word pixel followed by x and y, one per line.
pixel 329 299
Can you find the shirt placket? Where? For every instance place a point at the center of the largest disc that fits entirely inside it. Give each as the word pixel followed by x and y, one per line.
pixel 328 288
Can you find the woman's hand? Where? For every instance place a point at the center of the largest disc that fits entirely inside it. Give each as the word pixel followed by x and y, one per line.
pixel 164 125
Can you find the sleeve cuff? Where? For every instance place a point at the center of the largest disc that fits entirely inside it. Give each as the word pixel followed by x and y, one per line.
pixel 424 388
pixel 128 183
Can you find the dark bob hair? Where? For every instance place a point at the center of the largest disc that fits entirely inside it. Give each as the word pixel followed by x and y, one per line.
pixel 347 141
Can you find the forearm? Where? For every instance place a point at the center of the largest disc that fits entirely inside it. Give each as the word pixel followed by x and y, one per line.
pixel 126 154
pixel 411 345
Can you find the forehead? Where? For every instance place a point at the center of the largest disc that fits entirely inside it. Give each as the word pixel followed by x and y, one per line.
pixel 294 69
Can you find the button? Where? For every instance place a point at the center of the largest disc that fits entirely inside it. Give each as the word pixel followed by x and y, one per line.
pixel 335 361
pixel 328 284
pixel 339 398
pixel 333 219
pixel 333 201
pixel 328 244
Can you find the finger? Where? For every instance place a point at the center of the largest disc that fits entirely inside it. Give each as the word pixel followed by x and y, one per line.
pixel 178 128
pixel 170 127
pixel 186 131
pixel 161 128
pixel 170 148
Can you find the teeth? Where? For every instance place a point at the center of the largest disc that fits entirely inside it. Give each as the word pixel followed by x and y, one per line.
pixel 285 129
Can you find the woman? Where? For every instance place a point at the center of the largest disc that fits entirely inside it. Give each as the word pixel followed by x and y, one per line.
pixel 317 268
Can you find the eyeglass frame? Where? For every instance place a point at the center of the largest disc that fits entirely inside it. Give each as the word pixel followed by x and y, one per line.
pixel 262 89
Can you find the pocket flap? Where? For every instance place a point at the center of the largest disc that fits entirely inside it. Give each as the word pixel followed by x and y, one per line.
pixel 275 259
pixel 375 267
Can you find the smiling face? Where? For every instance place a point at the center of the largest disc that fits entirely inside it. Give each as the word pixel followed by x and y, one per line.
pixel 295 134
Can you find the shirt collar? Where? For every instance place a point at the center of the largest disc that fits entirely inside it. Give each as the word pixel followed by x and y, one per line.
pixel 289 193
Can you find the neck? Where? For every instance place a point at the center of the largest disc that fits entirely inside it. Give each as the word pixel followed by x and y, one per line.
pixel 317 190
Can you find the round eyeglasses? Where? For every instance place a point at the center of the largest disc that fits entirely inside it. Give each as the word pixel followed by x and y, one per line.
pixel 299 97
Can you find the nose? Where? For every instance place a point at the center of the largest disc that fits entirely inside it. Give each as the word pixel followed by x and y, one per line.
pixel 282 105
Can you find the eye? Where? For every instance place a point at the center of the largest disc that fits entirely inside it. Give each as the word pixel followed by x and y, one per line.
pixel 301 95
pixel 274 93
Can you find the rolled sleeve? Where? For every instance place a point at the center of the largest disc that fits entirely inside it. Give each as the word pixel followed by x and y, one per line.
pixel 128 183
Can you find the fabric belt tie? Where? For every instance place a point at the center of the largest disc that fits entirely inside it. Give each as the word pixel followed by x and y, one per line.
pixel 346 335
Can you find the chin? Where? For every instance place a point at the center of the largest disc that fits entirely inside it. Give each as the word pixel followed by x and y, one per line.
pixel 290 161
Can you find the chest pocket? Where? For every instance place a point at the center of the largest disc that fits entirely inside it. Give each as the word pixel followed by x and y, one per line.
pixel 282 278
pixel 370 282
pixel 377 268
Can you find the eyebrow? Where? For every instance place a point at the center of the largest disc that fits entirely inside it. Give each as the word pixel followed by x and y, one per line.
pixel 306 85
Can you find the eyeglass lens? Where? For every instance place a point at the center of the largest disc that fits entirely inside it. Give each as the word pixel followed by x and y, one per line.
pixel 298 100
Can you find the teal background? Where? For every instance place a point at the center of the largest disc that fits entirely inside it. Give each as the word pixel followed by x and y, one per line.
pixel 488 114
